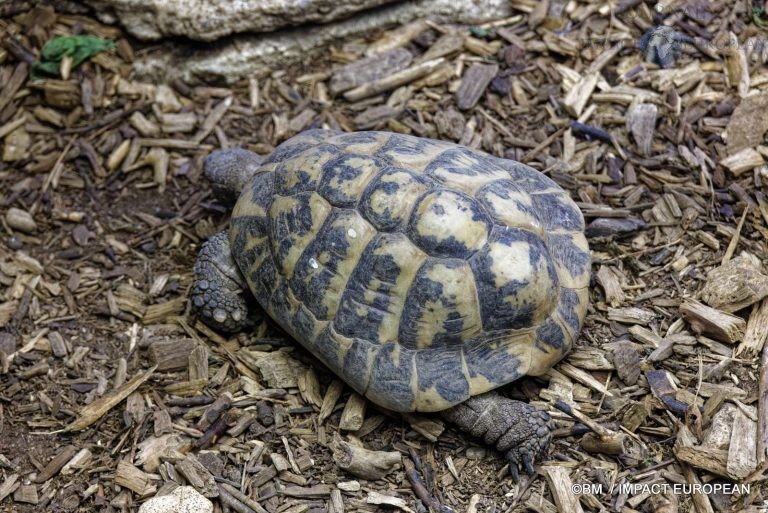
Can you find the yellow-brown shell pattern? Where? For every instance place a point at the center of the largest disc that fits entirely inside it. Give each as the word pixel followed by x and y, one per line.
pixel 421 272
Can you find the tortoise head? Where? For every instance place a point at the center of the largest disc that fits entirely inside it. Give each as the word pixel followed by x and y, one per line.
pixel 229 171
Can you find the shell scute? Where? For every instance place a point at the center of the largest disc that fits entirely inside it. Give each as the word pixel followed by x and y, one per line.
pixel 389 199
pixel 324 267
pixel 464 170
pixel 509 206
pixel 302 172
pixel 411 152
pixel 372 306
pixel 441 379
pixel 344 178
pixel 392 376
pixel 449 224
pixel 441 308
pixel 516 282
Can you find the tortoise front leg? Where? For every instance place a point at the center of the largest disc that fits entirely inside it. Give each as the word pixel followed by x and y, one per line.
pixel 514 427
pixel 219 290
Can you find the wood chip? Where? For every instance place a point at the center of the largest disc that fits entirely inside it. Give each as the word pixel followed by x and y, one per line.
pixel 474 83
pixel 94 411
pixel 354 413
pixel 735 285
pixel 709 321
pixel 562 489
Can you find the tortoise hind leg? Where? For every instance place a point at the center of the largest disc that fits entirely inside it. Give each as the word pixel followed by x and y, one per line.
pixel 520 430
pixel 219 291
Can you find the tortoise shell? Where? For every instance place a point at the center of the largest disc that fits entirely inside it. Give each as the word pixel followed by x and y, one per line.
pixel 421 272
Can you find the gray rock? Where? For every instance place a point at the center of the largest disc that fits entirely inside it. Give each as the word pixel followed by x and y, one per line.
pixel 208 20
pixel 243 55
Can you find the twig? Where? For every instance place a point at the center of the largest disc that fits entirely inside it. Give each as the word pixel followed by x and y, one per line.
pixel 762 405
pixel 231 501
pixel 420 489
pixel 240 496
pixel 735 239
pixel 546 142
pixel 576 414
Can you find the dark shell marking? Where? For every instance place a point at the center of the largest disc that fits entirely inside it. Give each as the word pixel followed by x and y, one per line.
pixel 421 272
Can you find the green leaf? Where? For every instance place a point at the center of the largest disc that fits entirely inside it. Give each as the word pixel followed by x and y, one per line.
pixel 480 32
pixel 757 17
pixel 79 48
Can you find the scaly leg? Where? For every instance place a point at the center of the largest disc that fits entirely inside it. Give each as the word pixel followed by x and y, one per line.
pixel 514 427
pixel 219 291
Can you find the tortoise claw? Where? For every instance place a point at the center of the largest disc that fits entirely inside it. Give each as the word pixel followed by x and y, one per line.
pixel 528 465
pixel 513 472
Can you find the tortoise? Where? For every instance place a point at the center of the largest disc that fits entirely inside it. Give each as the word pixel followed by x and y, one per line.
pixel 424 273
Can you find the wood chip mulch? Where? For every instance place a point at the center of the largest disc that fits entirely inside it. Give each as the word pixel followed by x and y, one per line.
pixel 110 394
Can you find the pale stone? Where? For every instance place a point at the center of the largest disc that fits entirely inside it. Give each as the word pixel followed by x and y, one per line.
pixel 183 499
pixel 208 20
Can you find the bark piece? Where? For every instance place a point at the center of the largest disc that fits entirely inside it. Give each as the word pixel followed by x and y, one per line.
pixel 132 478
pixel 336 503
pixel 445 45
pixel 611 284
pixel 757 330
pixel 579 94
pixel 627 363
pixel 365 463
pixel 214 411
pixel 712 322
pixel 664 387
pixel 429 428
pixel 198 476
pixel 745 160
pixel 392 81
pixel 332 395
pixel 390 500
pixel 354 413
pixel 10 485
pixel 712 460
pixel 748 123
pixel 631 315
pixel 562 490
pixel 99 407
pixel 312 492
pixel 171 354
pixel 742 460
pixel 735 285
pixel 474 83
pixel 27 494
pixel 198 363
pixel 310 387
pixel 369 69
pixel 278 368
pixel 641 122
pixel 79 461
pixel 56 464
